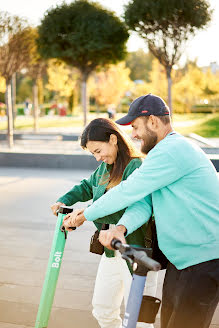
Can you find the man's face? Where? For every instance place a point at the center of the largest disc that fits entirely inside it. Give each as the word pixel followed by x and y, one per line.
pixel 142 132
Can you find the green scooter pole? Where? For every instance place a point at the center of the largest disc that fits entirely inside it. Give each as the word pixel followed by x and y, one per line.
pixel 52 273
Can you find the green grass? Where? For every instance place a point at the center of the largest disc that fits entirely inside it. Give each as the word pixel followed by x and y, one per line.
pixel 188 117
pixel 206 125
pixel 44 122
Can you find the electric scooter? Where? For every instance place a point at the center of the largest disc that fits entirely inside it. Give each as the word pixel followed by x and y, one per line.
pixel 139 259
pixel 141 263
pixel 53 268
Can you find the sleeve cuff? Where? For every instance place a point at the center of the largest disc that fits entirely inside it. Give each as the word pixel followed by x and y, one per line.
pixel 88 215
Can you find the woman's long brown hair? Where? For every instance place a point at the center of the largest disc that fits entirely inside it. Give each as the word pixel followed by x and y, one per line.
pixel 100 129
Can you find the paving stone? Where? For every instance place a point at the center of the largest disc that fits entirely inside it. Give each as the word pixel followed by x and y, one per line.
pixel 8 325
pixel 23 315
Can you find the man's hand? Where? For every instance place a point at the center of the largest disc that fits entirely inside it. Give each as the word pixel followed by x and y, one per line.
pixel 55 207
pixel 74 219
pixel 106 236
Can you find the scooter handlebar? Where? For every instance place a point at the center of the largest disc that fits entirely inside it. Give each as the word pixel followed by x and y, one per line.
pixel 142 258
pixel 138 256
pixel 116 243
pixel 65 210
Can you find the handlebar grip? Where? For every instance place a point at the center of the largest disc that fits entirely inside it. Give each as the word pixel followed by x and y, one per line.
pixel 63 228
pixel 142 258
pixel 64 210
pixel 115 243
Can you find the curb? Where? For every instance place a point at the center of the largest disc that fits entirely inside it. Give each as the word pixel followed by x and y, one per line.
pixel 53 161
pixel 62 161
pixel 42 136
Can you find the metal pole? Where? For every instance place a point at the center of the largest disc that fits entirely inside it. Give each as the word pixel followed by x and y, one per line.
pixel 10 115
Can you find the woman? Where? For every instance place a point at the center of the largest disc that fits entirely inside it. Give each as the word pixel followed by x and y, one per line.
pixel 103 138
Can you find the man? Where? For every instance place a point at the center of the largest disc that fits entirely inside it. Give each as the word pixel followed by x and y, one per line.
pixel 181 184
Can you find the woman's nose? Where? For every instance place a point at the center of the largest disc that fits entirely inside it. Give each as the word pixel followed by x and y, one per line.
pixel 98 158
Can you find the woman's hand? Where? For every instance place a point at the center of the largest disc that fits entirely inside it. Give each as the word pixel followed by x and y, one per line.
pixel 55 207
pixel 74 219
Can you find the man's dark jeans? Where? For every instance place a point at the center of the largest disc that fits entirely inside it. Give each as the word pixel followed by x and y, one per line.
pixel 190 296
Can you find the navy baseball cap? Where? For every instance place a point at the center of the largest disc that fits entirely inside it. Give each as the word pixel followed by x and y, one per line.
pixel 145 106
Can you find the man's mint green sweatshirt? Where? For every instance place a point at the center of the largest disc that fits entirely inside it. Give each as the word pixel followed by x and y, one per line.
pixel 182 185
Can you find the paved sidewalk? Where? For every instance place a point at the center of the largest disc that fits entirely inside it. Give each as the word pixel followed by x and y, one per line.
pixel 25 242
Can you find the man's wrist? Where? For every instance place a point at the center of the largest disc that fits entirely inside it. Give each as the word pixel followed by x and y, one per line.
pixel 122 228
pixel 84 218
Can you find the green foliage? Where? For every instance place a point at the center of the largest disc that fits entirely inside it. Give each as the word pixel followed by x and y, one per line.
pixel 83 35
pixel 24 89
pixel 140 64
pixel 2 97
pixel 208 91
pixel 172 17
pixel 20 111
pixel 166 25
pixel 205 108
pixel 14 44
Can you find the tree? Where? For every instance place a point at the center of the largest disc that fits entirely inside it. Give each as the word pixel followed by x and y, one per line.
pixel 14 51
pixel 211 88
pixel 24 87
pixel 157 84
pixel 63 79
pixel 166 25
pixel 83 35
pixel 140 64
pixel 36 69
pixel 111 84
pixel 195 86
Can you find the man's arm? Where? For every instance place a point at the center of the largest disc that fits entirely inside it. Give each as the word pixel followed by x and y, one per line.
pixel 136 215
pixel 133 218
pixel 157 171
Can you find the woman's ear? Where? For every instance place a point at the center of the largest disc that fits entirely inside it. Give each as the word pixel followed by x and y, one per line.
pixel 113 139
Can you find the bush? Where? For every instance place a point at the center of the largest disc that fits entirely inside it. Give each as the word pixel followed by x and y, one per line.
pixel 20 111
pixel 205 108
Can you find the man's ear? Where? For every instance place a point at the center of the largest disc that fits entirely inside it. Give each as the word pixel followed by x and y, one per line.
pixel 113 139
pixel 153 122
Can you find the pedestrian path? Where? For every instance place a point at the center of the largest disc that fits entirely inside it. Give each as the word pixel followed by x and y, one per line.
pixel 25 242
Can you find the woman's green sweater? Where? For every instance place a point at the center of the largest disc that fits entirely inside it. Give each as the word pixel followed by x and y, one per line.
pixel 92 188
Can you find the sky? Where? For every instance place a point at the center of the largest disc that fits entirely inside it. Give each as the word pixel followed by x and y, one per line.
pixel 204 46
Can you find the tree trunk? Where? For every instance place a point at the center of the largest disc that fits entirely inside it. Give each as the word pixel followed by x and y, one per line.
pixel 9 114
pixel 13 94
pixel 75 99
pixel 35 106
pixel 169 87
pixel 84 96
pixel 40 91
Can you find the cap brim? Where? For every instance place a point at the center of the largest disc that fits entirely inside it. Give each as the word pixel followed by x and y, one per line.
pixel 126 120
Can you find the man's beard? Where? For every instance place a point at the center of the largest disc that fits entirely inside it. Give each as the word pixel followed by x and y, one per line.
pixel 149 141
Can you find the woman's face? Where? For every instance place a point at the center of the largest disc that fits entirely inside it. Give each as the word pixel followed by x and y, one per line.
pixel 104 151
